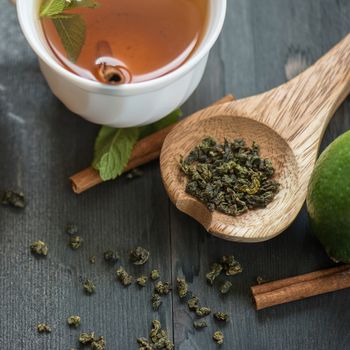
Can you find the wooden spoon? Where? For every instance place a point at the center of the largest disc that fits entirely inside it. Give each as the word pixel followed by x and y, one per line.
pixel 288 123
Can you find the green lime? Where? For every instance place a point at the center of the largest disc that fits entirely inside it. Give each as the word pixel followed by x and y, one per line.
pixel 328 199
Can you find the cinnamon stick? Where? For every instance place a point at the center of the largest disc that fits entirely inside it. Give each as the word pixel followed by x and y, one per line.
pixel 301 287
pixel 145 150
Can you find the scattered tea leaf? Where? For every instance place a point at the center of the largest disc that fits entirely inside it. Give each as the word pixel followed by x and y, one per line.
pixel 156 301
pixel 221 316
pixel 218 337
pixel 144 344
pixel 214 273
pixel 162 288
pixel 73 321
pixel 98 344
pixel 139 256
pixel 75 242
pixel 200 324
pixel 111 256
pixel 124 278
pixel 182 287
pixel 71 229
pixel 15 199
pixel 92 259
pixel 155 274
pixel 89 287
pixel 39 248
pixel 231 265
pixel 86 338
pixel 225 287
pixel 43 328
pixel 261 280
pixel 113 148
pixel 203 311
pixel 193 303
pixel 142 280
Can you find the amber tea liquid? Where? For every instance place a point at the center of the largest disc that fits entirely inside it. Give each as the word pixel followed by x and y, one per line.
pixel 145 39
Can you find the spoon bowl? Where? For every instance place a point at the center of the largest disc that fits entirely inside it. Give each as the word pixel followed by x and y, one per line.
pixel 287 122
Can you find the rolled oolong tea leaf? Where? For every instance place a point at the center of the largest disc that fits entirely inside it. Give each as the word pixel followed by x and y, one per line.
pixel 182 287
pixel 86 338
pixel 71 229
pixel 144 344
pixel 15 199
pixel 159 337
pixel 73 321
pixel 142 280
pixel 92 259
pixel 89 287
pixel 225 287
pixel 139 256
pixel 203 311
pixel 261 280
pixel 124 278
pixel 231 265
pixel 193 303
pixel 215 271
pixel 111 256
pixel 231 177
pixel 200 324
pixel 162 288
pixel 98 344
pixel 218 337
pixel 75 242
pixel 156 301
pixel 155 274
pixel 221 316
pixel 39 248
pixel 43 328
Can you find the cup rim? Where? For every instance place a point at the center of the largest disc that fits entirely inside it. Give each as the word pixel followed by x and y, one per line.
pixel 25 23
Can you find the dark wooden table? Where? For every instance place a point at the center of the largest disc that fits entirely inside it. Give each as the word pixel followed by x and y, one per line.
pixel 42 143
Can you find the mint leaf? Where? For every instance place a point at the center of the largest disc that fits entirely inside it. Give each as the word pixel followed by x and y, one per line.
pixel 52 7
pixel 73 4
pixel 71 29
pixel 171 118
pixel 113 149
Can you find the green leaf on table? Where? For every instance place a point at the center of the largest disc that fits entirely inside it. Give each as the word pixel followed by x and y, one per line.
pixel 52 7
pixel 71 29
pixel 170 119
pixel 73 4
pixel 113 149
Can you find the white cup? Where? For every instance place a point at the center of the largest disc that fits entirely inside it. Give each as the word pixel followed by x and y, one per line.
pixel 124 105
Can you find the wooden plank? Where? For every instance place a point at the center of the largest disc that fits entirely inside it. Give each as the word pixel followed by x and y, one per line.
pixel 41 144
pixel 264 42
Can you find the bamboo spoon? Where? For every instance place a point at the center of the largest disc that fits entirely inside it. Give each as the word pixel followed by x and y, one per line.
pixel 288 123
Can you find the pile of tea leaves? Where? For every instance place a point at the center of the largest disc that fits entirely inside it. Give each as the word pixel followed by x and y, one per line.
pixel 230 177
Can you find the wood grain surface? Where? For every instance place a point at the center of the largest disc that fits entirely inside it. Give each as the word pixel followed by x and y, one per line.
pixel 263 44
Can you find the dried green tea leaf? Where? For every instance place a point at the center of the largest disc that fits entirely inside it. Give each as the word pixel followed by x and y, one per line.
pixel 124 278
pixel 113 148
pixel 89 287
pixel 231 265
pixel 43 328
pixel 98 344
pixel 200 324
pixel 221 316
pixel 155 274
pixel 52 7
pixel 144 344
pixel 73 321
pixel 142 280
pixel 218 337
pixel 39 248
pixel 225 287
pixel 162 288
pixel 71 29
pixel 203 311
pixel 231 177
pixel 71 228
pixel 155 331
pixel 193 303
pixel 15 199
pixel 86 338
pixel 111 256
pixel 92 259
pixel 75 242
pixel 214 273
pixel 156 301
pixel 139 256
pixel 261 280
pixel 182 287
